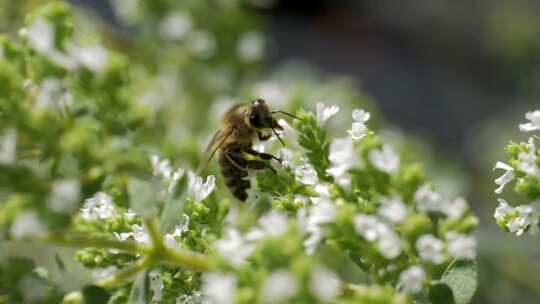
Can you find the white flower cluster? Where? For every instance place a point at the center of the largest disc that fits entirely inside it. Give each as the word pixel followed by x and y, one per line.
pixel 518 220
pixel 101 207
pixel 42 34
pixel 428 200
pixel 374 230
pixel 458 246
pixel 236 248
pixel 523 218
pixel 280 286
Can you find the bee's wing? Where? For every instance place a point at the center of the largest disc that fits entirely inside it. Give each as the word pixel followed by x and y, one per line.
pixel 215 143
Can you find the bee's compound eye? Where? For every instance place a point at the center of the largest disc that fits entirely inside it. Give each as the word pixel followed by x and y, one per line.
pixel 255 120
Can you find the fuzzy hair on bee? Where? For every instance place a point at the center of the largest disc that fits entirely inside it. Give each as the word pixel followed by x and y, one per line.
pixel 241 126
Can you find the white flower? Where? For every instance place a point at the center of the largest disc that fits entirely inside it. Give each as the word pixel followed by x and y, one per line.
pixel 367 226
pixel 250 47
pixel 518 219
pixel 502 210
pixel 64 196
pixel 455 209
pixel 27 224
pixel 169 239
pixel 430 249
pixel 289 133
pixel 343 157
pixel 306 174
pixel 156 284
pixel 534 122
pixel 201 43
pixel 234 248
pixel 200 191
pixel 52 95
pixel 389 244
pixel 507 177
pixel 280 286
pixel 427 200
pixel 287 157
pixel 324 284
pixel 461 246
pixel 525 219
pixel 360 115
pixel 41 35
pixel 138 233
pixel 175 26
pixel 324 113
pixel 194 298
pixel 358 128
pixel 218 288
pixel 99 206
pixel 393 210
pixel 371 229
pixel 320 214
pixel 272 225
pixel 92 57
pixel 324 194
pixel 527 161
pixel 386 160
pixel 412 279
pixel 8 147
pixel 162 168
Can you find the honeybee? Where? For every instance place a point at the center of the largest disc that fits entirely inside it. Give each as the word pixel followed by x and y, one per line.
pixel 240 127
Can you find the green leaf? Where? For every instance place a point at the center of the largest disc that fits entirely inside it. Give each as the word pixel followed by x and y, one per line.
pixel 440 293
pixel 139 291
pixel 141 197
pixel 95 295
pixel 462 278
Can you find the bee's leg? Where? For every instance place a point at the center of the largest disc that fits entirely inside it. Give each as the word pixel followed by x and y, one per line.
pixel 264 156
pixel 236 160
pixel 263 137
pixel 240 163
pixel 258 165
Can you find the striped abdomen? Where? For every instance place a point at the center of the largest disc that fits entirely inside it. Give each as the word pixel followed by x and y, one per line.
pixel 234 177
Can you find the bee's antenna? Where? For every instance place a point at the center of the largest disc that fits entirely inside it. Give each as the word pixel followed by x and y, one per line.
pixel 281 140
pixel 283 112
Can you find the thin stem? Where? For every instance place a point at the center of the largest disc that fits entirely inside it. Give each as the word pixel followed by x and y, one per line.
pixel 123 275
pixel 98 242
pixel 187 258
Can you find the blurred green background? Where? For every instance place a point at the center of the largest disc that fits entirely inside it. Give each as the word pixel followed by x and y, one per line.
pixel 450 79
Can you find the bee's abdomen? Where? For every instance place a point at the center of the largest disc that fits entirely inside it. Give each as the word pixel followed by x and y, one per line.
pixel 234 177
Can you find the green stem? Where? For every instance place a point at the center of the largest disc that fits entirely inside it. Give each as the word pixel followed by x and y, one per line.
pixel 186 258
pixel 125 274
pixel 154 234
pixel 98 242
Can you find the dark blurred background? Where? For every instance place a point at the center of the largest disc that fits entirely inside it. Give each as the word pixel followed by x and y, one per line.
pixel 460 74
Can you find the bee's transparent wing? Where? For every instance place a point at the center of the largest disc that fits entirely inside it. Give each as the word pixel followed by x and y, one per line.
pixel 215 143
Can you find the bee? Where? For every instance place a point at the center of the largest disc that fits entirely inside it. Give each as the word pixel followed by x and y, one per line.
pixel 233 142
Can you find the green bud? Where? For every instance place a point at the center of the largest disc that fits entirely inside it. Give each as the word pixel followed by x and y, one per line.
pixel 416 225
pixel 75 297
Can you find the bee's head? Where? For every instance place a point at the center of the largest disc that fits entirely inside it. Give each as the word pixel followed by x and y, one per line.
pixel 260 117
